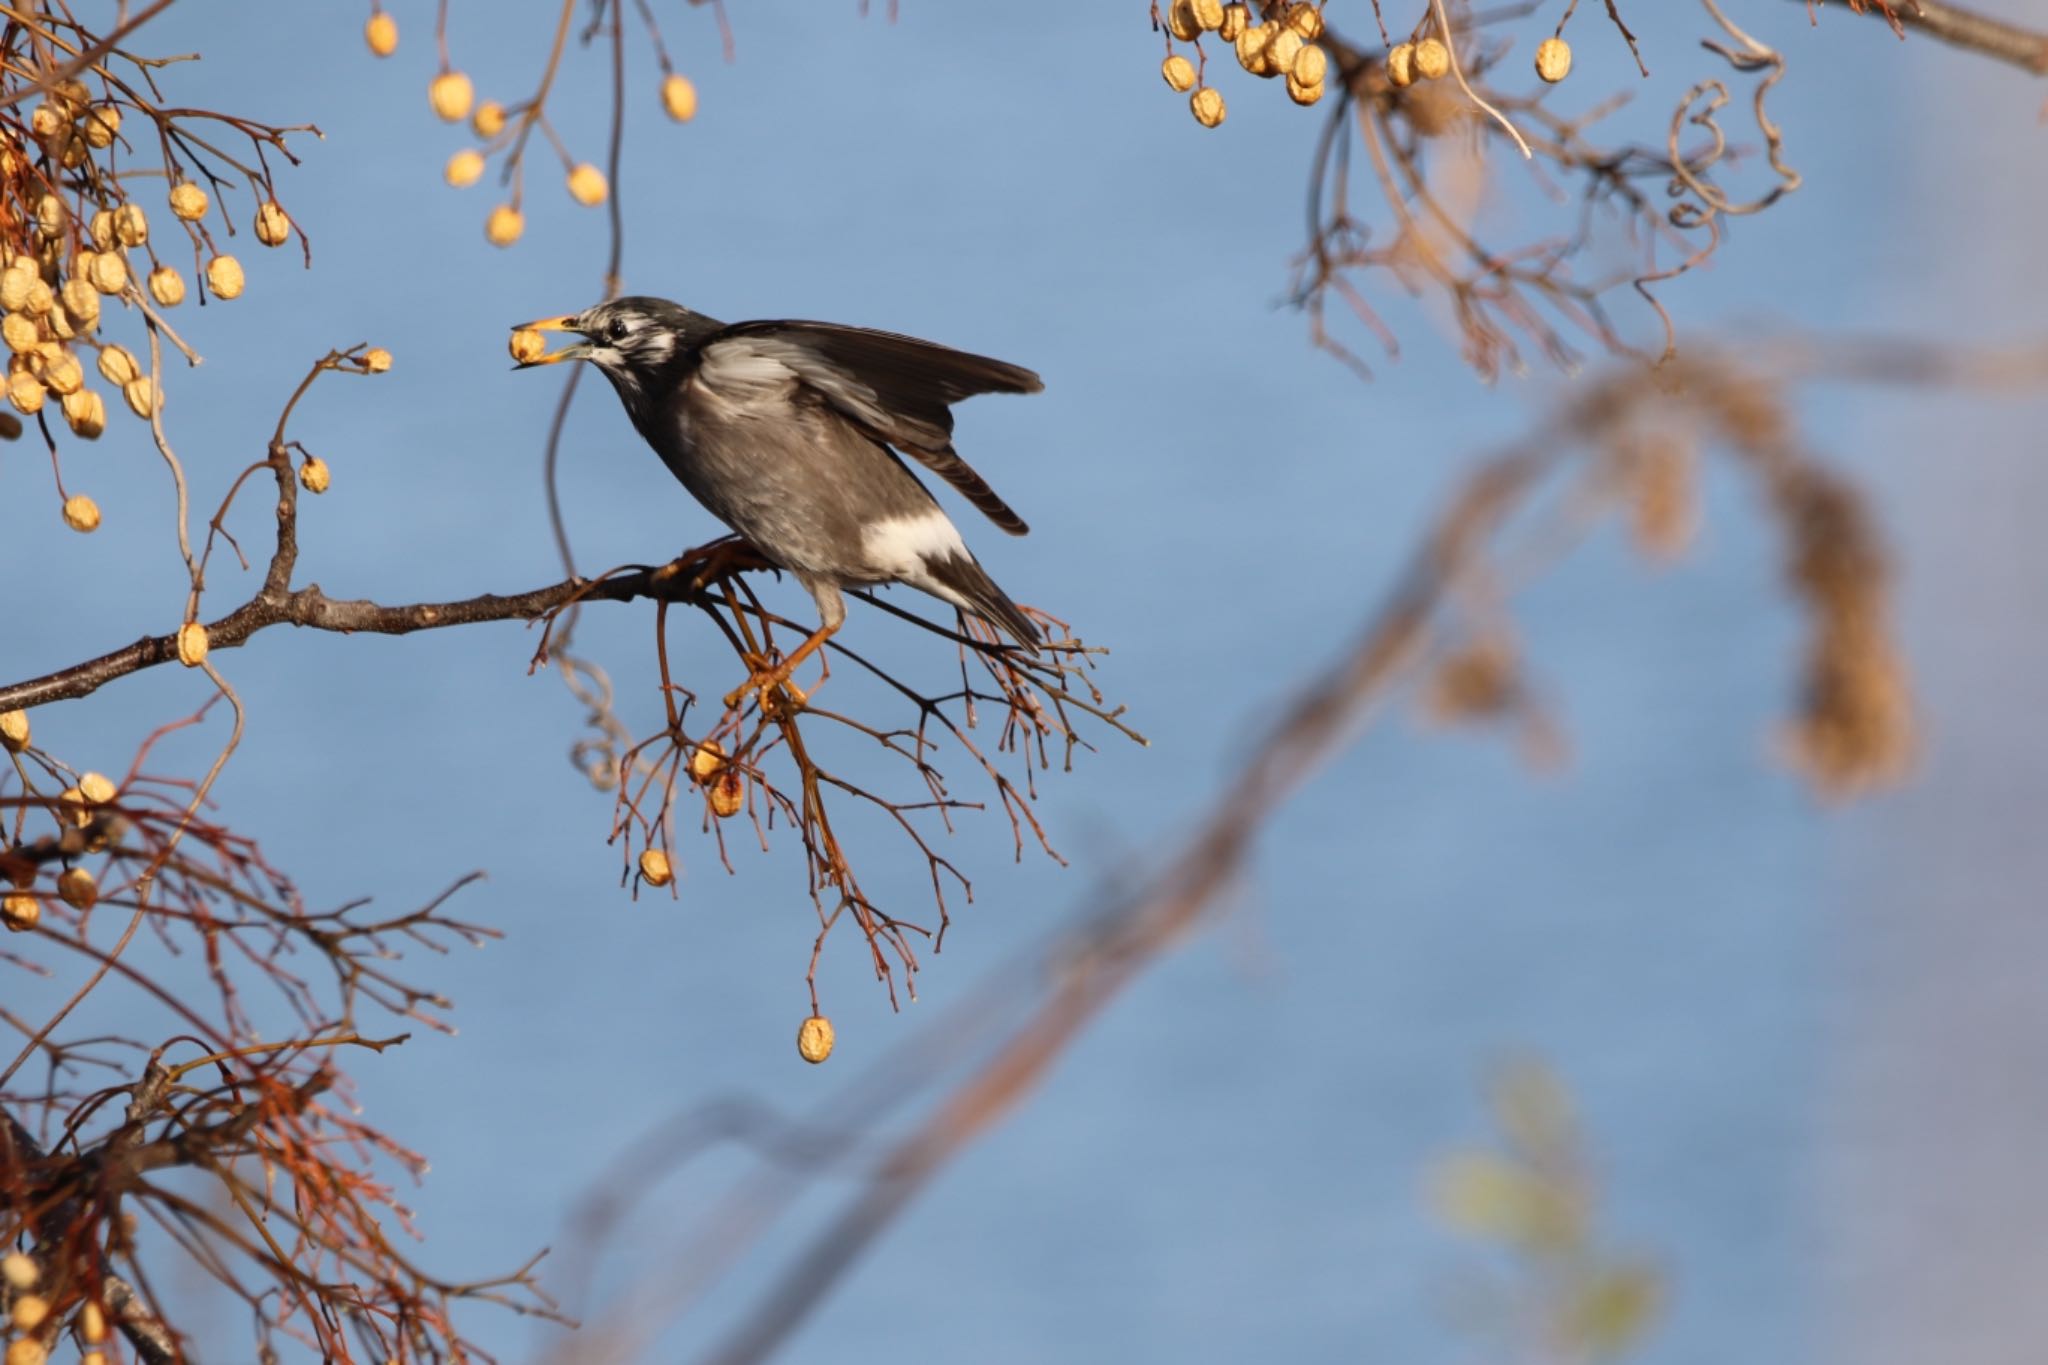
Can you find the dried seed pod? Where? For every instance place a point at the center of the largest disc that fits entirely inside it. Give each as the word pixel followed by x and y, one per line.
pixel 679 97
pixel 1553 59
pixel 224 277
pixel 1307 20
pixel 1311 64
pixel 19 1271
pixel 19 913
pixel 527 346
pixel 41 298
pixel 78 889
pixel 504 225
pixel 728 794
pixel 314 476
pixel 109 274
pixel 655 869
pixel 192 644
pixel 62 374
pixel 1251 48
pixel 15 282
pixel 188 201
pixel 25 391
pixel 141 396
pixel 1236 19
pixel 376 360
pixel 465 168
pixel 273 224
pixel 99 125
pixel 86 412
pixel 50 216
pixel 814 1039
pixel 117 364
pixel 101 230
pixel 14 738
pixel 1207 104
pixel 167 286
pixel 1281 50
pixel 451 94
pixel 381 33
pixel 1208 15
pixel 489 119
pixel 707 760
pixel 1432 59
pixel 1302 92
pixel 71 808
pixel 1181 21
pixel 97 788
pixel 47 122
pixel 587 184
pixel 92 1323
pixel 81 303
pixel 1179 72
pixel 30 1312
pixel 81 513
pixel 20 332
pixel 1401 65
pixel 131 224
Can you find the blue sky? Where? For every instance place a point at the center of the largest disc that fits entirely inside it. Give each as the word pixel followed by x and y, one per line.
pixel 1230 1165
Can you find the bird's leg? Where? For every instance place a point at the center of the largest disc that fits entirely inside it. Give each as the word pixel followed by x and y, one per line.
pixel 778 676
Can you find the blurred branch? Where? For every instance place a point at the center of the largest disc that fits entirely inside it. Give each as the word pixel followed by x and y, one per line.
pixel 2024 48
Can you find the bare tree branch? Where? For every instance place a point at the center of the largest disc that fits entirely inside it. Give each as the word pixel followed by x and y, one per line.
pixel 2024 48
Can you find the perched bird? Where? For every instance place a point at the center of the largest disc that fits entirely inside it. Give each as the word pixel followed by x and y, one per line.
pixel 789 433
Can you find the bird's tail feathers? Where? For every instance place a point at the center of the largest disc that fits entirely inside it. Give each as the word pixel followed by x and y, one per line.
pixel 967 584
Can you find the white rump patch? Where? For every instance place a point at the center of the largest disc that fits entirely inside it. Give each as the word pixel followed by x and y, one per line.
pixel 901 546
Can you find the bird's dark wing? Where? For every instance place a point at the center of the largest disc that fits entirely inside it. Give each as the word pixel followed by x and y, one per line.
pixel 896 388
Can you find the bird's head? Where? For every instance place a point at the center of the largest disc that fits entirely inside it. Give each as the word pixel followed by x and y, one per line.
pixel 626 338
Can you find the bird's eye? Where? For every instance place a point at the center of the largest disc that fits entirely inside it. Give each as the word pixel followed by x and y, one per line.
pixel 616 331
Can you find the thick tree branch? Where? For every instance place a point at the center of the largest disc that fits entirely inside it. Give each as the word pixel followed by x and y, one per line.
pixel 681 580
pixel 2024 48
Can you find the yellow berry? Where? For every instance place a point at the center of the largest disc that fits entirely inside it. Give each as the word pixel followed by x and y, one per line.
pixel 1307 20
pixel 1302 93
pixel 707 760
pixel 1179 72
pixel 1401 65
pixel 1208 14
pixel 18 1270
pixel 655 869
pixel 167 286
pixel 814 1039
pixel 26 1350
pixel 489 119
pixel 86 412
pixel 47 122
pixel 728 794
pixel 504 225
pixel 1208 106
pixel 376 360
pixel 131 225
pixel 313 475
pixel 13 733
pixel 528 346
pixel 224 277
pixel 188 201
pixel 19 913
pixel 273 224
pixel 101 230
pixel 1181 21
pixel 62 374
pixel 1236 19
pixel 451 94
pixel 50 215
pixel 141 396
pixel 1432 59
pixel 587 184
pixel 78 889
pixel 25 391
pixel 30 1312
pixel 41 298
pixel 108 273
pixel 1281 50
pixel 15 284
pixel 92 1323
pixel 71 808
pixel 20 332
pixel 381 33
pixel 81 513
pixel 1553 59
pixel 81 303
pixel 117 364
pixel 679 97
pixel 97 788
pixel 100 125
pixel 1251 48
pixel 192 644
pixel 465 168
pixel 1310 66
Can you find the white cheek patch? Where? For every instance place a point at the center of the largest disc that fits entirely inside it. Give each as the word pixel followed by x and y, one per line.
pixel 901 546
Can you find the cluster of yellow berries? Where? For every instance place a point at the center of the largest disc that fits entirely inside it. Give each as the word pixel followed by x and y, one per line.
pixel 20 910
pixel 64 257
pixel 1430 60
pixel 31 1314
pixel 453 97
pixel 1285 42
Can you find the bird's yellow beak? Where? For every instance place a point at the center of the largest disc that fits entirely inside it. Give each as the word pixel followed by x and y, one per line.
pixel 529 350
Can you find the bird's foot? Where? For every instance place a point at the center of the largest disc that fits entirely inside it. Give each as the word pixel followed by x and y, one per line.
pixel 777 692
